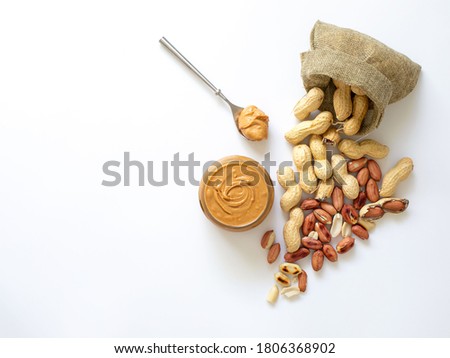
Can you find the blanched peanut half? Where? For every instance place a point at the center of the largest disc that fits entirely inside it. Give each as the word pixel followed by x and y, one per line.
pixel 346 229
pixel 336 226
pixel 282 279
pixel 290 268
pixel 272 296
pixel 291 291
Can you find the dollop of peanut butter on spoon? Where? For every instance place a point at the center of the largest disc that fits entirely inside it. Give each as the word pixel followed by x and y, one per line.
pixel 253 123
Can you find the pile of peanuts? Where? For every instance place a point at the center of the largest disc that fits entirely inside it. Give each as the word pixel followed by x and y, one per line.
pixel 344 196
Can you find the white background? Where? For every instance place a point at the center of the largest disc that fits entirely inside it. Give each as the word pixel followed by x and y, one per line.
pixel 82 82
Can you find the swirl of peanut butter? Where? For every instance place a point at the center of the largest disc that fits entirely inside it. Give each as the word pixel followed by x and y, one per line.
pixel 237 196
pixel 253 123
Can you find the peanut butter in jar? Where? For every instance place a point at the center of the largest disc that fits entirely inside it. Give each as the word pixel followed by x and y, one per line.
pixel 236 193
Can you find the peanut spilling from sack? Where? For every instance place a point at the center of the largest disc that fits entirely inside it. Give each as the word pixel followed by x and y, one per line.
pixel 316 126
pixel 359 111
pixel 342 100
pixel 309 103
pixel 341 191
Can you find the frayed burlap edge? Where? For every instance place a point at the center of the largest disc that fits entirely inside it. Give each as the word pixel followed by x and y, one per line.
pixel 319 66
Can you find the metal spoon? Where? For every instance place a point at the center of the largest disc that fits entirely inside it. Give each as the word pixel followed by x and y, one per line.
pixel 235 110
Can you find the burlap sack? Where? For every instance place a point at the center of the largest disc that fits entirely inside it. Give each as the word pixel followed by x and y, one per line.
pixel 357 59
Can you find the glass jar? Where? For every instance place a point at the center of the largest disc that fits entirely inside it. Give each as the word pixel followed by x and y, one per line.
pixel 236 193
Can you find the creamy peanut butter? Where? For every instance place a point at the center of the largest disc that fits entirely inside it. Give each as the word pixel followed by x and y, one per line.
pixel 253 123
pixel 237 193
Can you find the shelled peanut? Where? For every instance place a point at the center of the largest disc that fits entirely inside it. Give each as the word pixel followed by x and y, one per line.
pixel 268 243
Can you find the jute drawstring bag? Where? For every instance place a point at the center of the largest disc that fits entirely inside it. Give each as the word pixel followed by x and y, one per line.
pixel 385 75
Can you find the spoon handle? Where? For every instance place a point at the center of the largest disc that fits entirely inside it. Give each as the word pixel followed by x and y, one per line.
pixel 183 59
